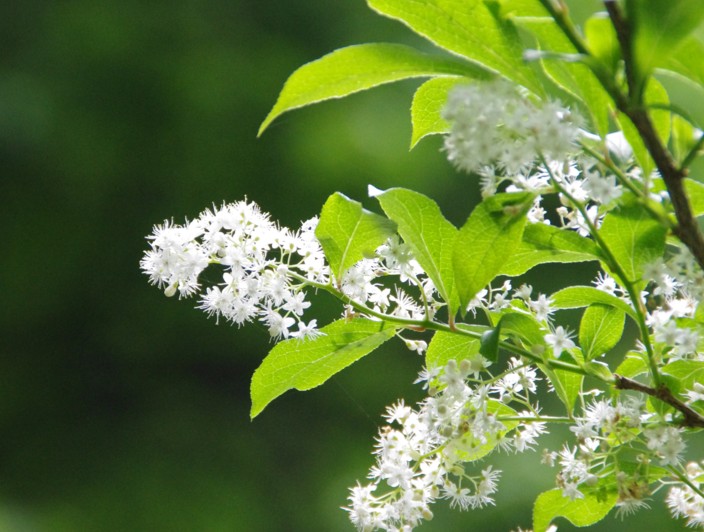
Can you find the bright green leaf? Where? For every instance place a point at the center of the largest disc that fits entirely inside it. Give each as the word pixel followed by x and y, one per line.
pixel 566 383
pixel 580 512
pixel 542 244
pixel 428 103
pixel 428 233
pixel 474 29
pixel 687 372
pixel 695 193
pixel 634 238
pixel 471 448
pixel 348 233
pixel 600 329
pixel 583 296
pixel 447 346
pixel 633 365
pixel 687 60
pixel 357 68
pixel 602 40
pixel 525 326
pixel 305 364
pixel 486 241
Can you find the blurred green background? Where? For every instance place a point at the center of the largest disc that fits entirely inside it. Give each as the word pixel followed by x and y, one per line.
pixel 121 409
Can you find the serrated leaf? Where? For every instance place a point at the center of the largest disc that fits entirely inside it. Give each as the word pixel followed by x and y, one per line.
pixel 486 241
pixel 543 244
pixel 634 238
pixel 428 233
pixel 357 68
pixel 524 326
pixel 583 296
pixel 633 365
pixel 426 108
pixel 473 29
pixel 305 364
pixel 449 346
pixel 348 233
pixel 580 512
pixel 600 330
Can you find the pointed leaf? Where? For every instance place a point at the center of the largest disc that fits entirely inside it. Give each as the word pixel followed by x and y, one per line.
pixel 474 29
pixel 580 512
pixel 491 234
pixel 429 235
pixel 600 330
pixel 567 385
pixel 428 103
pixel 634 238
pixel 489 347
pixel 357 68
pixel 583 296
pixel 449 346
pixel 542 244
pixel 348 233
pixel 305 364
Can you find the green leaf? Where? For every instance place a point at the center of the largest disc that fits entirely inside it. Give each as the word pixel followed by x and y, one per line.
pixel 449 346
pixel 659 28
pixel 487 240
pixel 633 365
pixel 305 364
pixel 473 29
pixel 687 60
pixel 695 193
pixel 634 238
pixel 524 326
pixel 567 384
pixel 429 235
pixel 348 233
pixel 489 347
pixel 580 512
pixel 542 244
pixel 583 296
pixel 576 79
pixel 686 372
pixel 655 96
pixel 602 40
pixel 600 329
pixel 428 103
pixel 357 68
pixel 471 448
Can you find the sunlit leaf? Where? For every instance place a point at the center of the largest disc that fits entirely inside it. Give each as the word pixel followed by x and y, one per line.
pixel 580 512
pixel 305 364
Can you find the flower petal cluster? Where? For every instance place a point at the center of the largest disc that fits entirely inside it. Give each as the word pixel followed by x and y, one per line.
pixel 263 266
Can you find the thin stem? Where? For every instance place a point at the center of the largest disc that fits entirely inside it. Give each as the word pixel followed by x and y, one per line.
pixel 537 419
pixel 614 266
pixel 692 418
pixel 430 324
pixel 685 480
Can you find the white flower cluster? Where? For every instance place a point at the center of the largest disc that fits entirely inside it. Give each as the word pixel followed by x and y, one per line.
pixel 607 434
pixel 493 124
pixel 262 266
pixel 684 501
pixel 677 287
pixel 424 460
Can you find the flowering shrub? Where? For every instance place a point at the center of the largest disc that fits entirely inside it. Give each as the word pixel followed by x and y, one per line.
pixel 613 151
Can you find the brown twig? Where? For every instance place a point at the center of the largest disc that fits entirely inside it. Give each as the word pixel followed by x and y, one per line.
pixel 687 229
pixel 692 418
